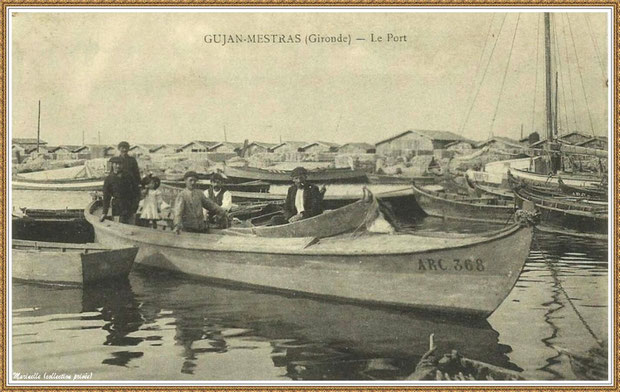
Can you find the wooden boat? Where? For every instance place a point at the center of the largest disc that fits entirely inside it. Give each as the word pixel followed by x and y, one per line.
pixel 447 205
pixel 245 174
pixel 330 223
pixel 67 184
pixel 59 225
pixel 399 179
pixel 591 193
pixel 472 273
pixel 575 216
pixel 63 263
pixel 551 181
pixel 251 186
pixel 486 188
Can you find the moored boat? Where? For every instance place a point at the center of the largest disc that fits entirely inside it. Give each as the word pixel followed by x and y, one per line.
pixel 56 225
pixel 571 216
pixel 245 174
pixel 251 186
pixel 551 181
pixel 486 184
pixel 345 219
pixel 68 263
pixel 473 273
pixel 452 206
pixel 69 184
pixel 598 192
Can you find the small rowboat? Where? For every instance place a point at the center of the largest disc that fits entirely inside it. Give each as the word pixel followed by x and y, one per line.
pixel 67 184
pixel 330 223
pixel 244 174
pixel 474 273
pixel 76 264
pixel 60 225
pixel 447 205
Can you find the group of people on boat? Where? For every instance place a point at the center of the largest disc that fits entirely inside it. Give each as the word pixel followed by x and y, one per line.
pixel 193 210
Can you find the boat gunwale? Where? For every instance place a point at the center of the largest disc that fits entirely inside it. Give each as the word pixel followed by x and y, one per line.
pixel 35 245
pixel 542 201
pixel 195 240
pixel 426 193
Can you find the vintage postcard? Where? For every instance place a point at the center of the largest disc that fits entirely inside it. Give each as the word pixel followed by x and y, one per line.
pixel 309 196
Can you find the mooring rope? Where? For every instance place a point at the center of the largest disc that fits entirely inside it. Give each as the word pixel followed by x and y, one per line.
pixel 570 301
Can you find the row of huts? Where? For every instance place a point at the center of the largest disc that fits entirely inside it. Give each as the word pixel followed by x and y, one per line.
pixel 409 143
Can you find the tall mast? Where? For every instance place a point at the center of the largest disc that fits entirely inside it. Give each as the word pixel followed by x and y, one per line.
pixel 39 126
pixel 548 80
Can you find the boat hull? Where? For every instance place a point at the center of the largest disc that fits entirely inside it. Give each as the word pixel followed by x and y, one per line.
pixel 555 214
pixel 245 174
pixel 434 204
pixel 53 264
pixel 472 278
pixel 90 185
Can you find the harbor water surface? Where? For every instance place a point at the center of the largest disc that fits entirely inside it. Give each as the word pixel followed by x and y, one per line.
pixel 158 326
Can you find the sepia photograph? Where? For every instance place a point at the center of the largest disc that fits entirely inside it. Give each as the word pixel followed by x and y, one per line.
pixel 309 196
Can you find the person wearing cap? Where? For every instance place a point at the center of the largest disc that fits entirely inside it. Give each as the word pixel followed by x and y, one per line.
pixel 303 199
pixel 130 166
pixel 218 193
pixel 188 215
pixel 118 193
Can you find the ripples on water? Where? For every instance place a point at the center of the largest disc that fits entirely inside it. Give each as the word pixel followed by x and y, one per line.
pixel 157 326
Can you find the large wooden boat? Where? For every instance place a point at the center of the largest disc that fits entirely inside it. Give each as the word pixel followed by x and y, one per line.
pixel 59 225
pixel 482 184
pixel 245 174
pixel 551 182
pixel 349 218
pixel 571 216
pixel 63 263
pixel 474 273
pixel 452 206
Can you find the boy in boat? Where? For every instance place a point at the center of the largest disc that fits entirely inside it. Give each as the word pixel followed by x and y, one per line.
pixel 130 166
pixel 188 215
pixel 303 200
pixel 119 193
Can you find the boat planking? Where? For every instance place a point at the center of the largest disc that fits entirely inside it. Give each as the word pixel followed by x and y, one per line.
pixel 598 193
pixel 68 263
pixel 473 273
pixel 451 206
pixel 272 176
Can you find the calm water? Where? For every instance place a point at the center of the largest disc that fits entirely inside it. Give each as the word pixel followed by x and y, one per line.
pixel 156 326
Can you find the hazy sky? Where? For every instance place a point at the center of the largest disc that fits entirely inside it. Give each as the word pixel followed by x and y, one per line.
pixel 152 78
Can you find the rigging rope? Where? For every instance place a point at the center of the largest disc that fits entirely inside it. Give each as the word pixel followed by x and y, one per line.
pixel 580 75
pixel 536 79
pixel 596 50
pixel 483 75
pixel 570 301
pixel 570 76
pixel 501 90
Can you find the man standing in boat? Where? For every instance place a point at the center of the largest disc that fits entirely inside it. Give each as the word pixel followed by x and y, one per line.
pixel 118 193
pixel 303 200
pixel 218 192
pixel 130 166
pixel 188 215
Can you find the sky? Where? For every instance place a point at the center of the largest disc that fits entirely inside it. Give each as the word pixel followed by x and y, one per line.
pixel 152 77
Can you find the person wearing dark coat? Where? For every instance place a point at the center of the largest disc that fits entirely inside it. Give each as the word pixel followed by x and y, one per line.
pixel 130 166
pixel 303 200
pixel 118 193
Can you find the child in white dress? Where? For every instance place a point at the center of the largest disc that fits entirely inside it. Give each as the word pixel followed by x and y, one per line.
pixel 152 204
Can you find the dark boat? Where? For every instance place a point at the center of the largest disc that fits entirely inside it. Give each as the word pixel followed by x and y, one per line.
pixel 61 225
pixel 68 263
pixel 452 206
pixel 566 215
pixel 245 174
pixel 598 193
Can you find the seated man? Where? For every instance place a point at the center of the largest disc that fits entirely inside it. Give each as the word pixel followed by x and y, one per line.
pixel 303 200
pixel 218 192
pixel 188 215
pixel 118 193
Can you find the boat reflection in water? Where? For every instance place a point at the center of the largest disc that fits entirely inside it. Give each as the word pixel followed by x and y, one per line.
pixel 164 327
